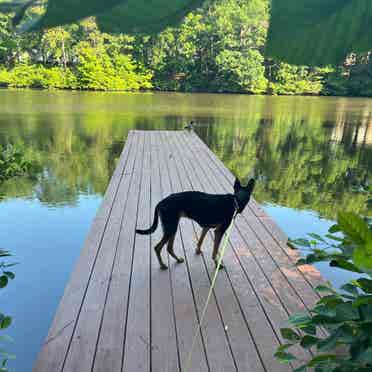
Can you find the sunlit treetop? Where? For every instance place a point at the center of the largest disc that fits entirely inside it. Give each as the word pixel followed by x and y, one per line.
pixel 311 32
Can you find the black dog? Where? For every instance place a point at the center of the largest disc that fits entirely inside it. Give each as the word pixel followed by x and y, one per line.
pixel 209 211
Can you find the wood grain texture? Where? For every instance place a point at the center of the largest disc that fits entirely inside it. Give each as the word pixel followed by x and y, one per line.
pixel 120 312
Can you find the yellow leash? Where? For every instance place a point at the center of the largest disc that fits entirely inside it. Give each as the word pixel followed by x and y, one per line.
pixel 198 327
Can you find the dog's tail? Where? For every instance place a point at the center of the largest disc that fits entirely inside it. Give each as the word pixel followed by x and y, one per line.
pixel 154 224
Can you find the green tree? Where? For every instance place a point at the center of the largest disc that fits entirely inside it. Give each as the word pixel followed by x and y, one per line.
pixel 241 72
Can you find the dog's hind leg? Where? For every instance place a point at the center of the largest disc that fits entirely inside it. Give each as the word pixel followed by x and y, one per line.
pixel 201 239
pixel 158 249
pixel 170 249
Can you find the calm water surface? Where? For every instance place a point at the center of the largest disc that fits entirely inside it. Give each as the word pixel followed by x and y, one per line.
pixel 308 153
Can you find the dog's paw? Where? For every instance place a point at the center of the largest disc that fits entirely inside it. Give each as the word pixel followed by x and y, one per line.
pixel 221 267
pixel 163 267
pixel 180 260
pixel 198 251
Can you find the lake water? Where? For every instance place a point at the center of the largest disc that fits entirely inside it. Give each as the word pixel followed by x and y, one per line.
pixel 308 153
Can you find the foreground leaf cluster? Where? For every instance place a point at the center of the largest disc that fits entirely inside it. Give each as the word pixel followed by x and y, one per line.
pixel 5 320
pixel 302 31
pixel 345 314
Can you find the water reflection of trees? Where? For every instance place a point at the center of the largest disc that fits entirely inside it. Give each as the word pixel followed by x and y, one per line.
pixel 76 154
pixel 305 160
pixel 308 154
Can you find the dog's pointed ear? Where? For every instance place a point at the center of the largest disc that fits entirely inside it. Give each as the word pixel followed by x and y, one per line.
pixel 251 184
pixel 237 185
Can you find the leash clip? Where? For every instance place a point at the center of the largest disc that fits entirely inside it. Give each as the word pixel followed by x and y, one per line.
pixel 236 205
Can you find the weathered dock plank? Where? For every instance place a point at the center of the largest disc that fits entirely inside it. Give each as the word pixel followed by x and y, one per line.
pixel 185 302
pixel 54 350
pixel 243 348
pixel 165 355
pixel 120 312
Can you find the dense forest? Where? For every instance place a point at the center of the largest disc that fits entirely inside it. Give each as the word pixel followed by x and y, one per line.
pixel 218 48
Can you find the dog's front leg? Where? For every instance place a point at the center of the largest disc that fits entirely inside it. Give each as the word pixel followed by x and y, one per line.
pixel 201 239
pixel 218 233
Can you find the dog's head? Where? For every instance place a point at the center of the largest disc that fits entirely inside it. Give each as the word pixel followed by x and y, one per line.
pixel 243 193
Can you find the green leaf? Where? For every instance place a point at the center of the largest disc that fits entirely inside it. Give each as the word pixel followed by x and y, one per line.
pixel 118 16
pixel 311 258
pixel 301 242
pixel 283 347
pixel 60 12
pixel 6 355
pixel 345 265
pixel 8 6
pixel 350 288
pixel 284 357
pixel 366 327
pixel 318 32
pixel 309 329
pixel 321 359
pixel 21 11
pixel 324 310
pixel 354 226
pixel 9 274
pixel 299 319
pixel 334 228
pixel 291 245
pixel 346 311
pixel 301 369
pixel 300 262
pixel 333 237
pixel 317 237
pixel 3 281
pixel 5 338
pixel 290 334
pixel 308 341
pixel 324 320
pixel 363 300
pixel 323 288
pixel 136 16
pixel 347 333
pixel 4 253
pixel 363 258
pixel 5 322
pixel 328 343
pixel 366 356
pixel 364 283
pixel 331 300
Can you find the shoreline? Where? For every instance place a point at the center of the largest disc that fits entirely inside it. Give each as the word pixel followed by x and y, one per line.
pixel 157 91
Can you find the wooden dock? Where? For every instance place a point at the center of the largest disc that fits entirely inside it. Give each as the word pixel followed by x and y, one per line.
pixel 120 312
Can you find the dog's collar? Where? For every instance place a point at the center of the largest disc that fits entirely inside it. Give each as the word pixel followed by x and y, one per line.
pixel 236 204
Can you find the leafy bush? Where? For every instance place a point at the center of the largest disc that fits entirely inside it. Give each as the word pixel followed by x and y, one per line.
pixel 55 77
pixel 241 72
pixel 5 78
pixel 345 314
pixel 5 320
pixel 13 162
pixel 22 76
pixel 288 79
pixel 97 70
pixel 38 76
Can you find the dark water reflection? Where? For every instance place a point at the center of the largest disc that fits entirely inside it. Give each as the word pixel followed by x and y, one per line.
pixel 309 155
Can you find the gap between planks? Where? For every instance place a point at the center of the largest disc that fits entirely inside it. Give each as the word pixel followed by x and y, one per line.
pixel 119 312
